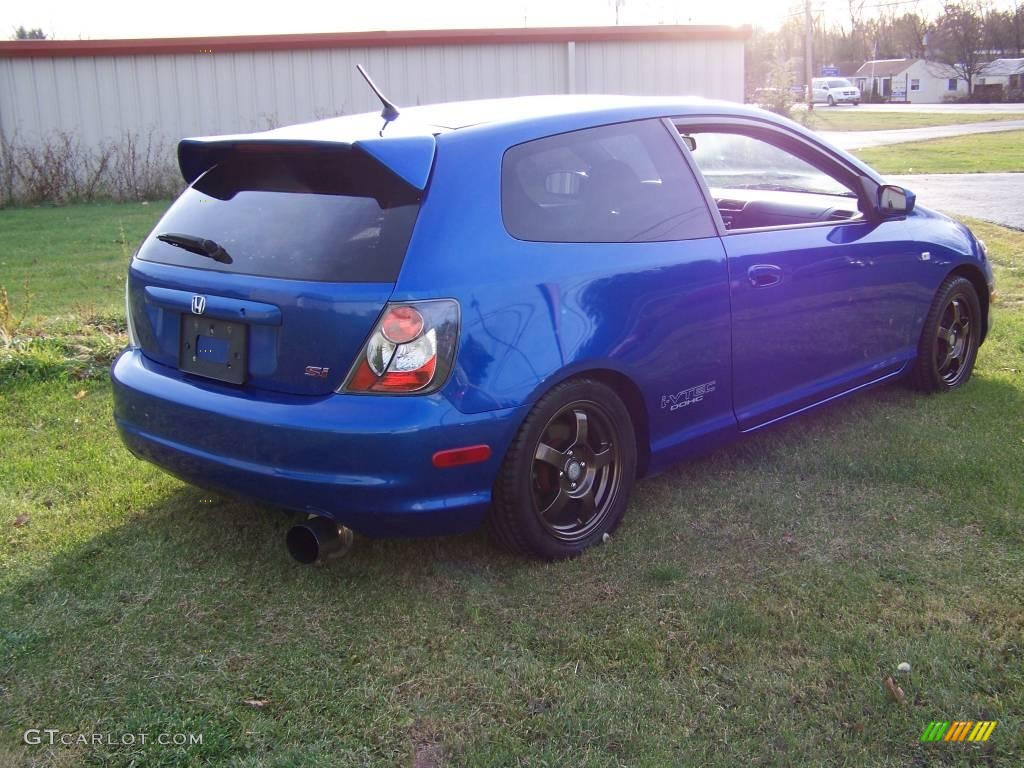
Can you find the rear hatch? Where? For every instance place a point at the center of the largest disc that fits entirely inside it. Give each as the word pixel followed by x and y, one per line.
pixel 271 268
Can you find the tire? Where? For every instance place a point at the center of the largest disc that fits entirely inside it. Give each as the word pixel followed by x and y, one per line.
pixel 567 476
pixel 831 101
pixel 949 340
pixel 856 103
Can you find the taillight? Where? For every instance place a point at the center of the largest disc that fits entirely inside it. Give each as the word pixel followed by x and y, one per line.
pixel 133 340
pixel 410 350
pixel 401 325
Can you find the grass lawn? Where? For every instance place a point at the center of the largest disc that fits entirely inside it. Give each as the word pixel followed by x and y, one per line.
pixel 747 612
pixel 72 255
pixel 851 119
pixel 981 153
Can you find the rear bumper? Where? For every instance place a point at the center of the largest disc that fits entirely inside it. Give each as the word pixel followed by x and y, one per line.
pixel 364 461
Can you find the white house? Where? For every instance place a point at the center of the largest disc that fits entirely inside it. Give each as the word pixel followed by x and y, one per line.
pixel 916 81
pixel 1009 73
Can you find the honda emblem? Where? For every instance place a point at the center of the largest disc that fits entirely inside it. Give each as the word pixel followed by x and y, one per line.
pixel 198 305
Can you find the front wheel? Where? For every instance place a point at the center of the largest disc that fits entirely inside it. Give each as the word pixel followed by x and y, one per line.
pixel 831 101
pixel 566 478
pixel 950 338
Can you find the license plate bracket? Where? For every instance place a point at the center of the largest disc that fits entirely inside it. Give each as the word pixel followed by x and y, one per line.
pixel 216 349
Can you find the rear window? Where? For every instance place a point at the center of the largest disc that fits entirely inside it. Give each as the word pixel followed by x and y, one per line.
pixel 306 215
pixel 613 184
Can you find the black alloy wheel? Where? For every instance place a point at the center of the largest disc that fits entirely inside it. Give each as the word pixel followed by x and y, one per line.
pixel 576 471
pixel 950 338
pixel 954 341
pixel 566 478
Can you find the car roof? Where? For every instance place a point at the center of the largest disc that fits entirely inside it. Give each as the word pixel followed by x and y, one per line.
pixel 416 129
pixel 433 119
pixel 406 144
pixel 462 114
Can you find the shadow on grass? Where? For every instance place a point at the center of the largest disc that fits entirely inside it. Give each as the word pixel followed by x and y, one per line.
pixel 888 438
pixel 190 606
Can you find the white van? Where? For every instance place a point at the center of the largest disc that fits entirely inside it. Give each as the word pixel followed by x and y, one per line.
pixel 834 90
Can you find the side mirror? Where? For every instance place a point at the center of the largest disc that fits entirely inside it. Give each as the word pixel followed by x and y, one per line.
pixel 895 201
pixel 689 141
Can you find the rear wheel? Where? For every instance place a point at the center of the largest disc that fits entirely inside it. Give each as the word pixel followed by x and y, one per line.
pixel 566 478
pixel 950 338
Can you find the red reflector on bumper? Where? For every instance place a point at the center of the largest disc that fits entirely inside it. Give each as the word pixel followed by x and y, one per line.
pixel 456 457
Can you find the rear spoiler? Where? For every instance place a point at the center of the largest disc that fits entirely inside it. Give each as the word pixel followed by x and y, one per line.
pixel 409 157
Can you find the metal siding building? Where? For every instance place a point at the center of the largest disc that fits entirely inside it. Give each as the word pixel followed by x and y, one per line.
pixel 101 90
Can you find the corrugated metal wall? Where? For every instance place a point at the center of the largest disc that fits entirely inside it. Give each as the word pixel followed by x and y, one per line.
pixel 99 98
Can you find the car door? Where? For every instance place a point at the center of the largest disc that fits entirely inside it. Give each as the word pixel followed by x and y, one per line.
pixel 823 297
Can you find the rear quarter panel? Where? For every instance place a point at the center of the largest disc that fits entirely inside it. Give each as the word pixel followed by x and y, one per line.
pixel 534 314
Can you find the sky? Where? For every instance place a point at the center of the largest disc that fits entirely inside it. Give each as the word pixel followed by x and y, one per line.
pixel 73 19
pixel 98 19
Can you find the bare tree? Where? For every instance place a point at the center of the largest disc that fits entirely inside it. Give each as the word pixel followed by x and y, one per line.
pixel 21 33
pixel 910 32
pixel 619 5
pixel 958 39
pixel 998 33
pixel 1017 28
pixel 959 42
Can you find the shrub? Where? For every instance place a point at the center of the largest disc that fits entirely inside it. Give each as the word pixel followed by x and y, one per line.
pixel 60 169
pixel 778 96
pixel 142 169
pixel 10 321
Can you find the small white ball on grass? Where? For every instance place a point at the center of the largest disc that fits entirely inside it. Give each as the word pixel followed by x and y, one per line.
pixel 904 666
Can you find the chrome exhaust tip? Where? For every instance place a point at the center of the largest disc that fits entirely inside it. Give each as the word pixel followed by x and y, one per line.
pixel 317 540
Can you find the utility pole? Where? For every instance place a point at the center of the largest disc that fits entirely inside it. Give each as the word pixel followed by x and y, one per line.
pixel 808 54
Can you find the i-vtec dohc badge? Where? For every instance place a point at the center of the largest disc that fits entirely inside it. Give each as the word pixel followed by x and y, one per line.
pixel 686 397
pixel 198 305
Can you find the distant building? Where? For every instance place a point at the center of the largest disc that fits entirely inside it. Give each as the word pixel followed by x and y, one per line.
pixel 1006 73
pixel 104 90
pixel 914 81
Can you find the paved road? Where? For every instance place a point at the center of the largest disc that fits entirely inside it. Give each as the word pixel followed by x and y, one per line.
pixel 995 197
pixel 861 139
pixel 971 109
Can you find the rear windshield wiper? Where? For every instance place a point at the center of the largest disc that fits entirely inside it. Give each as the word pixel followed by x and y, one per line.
pixel 198 245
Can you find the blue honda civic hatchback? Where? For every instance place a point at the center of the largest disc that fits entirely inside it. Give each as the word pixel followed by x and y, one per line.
pixel 508 311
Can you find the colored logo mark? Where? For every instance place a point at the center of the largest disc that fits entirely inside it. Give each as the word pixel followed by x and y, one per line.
pixel 958 730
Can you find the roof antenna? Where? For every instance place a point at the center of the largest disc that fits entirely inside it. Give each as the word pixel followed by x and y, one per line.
pixel 390 111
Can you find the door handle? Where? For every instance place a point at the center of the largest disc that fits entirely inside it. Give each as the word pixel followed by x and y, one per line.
pixel 764 275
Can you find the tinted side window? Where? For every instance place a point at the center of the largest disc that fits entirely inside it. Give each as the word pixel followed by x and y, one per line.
pixel 614 184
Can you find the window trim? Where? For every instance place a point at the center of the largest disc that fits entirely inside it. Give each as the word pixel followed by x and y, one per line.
pixel 827 158
pixel 702 183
